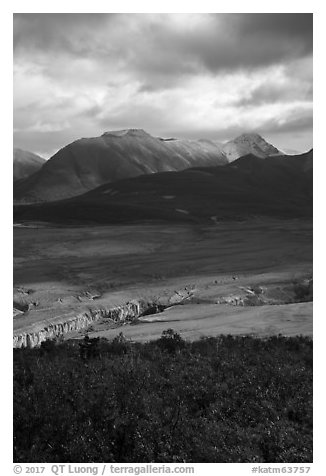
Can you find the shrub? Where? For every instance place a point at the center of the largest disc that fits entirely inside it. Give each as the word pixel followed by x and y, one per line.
pixel 171 341
pixel 223 399
pixel 89 348
pixel 303 291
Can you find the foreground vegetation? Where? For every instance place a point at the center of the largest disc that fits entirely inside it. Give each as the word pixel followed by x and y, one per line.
pixel 225 399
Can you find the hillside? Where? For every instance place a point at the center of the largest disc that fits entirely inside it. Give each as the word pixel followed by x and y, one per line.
pixel 88 163
pixel 25 163
pixel 277 186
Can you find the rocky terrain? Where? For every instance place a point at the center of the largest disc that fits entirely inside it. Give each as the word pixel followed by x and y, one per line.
pixel 247 277
pixel 25 163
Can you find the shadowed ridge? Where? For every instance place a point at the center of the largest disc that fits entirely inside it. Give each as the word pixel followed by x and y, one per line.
pixel 279 186
pixel 86 164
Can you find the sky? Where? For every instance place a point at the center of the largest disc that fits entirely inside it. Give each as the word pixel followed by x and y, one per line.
pixel 199 75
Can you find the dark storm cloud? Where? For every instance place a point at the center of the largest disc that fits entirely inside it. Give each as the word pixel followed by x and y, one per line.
pixel 196 75
pixel 57 32
pixel 291 26
pixel 156 45
pixel 221 43
pixel 231 41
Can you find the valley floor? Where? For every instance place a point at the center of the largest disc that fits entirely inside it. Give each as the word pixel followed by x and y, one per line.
pixel 215 271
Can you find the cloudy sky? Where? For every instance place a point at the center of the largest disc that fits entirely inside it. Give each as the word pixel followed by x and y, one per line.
pixel 181 75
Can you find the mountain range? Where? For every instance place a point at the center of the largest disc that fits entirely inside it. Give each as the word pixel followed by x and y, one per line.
pixel 249 143
pixel 279 186
pixel 86 164
pixel 25 163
